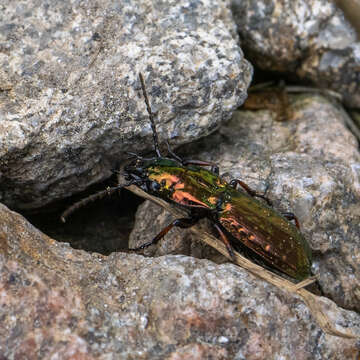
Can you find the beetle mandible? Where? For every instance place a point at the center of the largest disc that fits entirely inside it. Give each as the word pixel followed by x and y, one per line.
pixel 240 219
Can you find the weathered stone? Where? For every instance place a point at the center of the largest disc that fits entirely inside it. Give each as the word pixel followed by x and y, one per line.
pixel 311 40
pixel 57 302
pixel 70 97
pixel 310 165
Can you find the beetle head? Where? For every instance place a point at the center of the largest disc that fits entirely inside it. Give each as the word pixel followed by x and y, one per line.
pixel 143 172
pixel 136 170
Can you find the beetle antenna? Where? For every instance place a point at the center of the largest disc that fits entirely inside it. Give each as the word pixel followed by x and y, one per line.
pixel 151 116
pixel 83 202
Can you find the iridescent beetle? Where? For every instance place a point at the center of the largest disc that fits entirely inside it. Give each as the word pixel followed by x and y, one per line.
pixel 239 218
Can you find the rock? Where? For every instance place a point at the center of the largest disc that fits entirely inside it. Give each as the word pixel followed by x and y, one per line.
pixel 308 40
pixel 71 103
pixel 309 165
pixel 57 302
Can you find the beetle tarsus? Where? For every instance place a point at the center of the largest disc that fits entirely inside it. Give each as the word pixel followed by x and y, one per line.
pixel 250 191
pixel 291 216
pixel 226 242
pixel 183 223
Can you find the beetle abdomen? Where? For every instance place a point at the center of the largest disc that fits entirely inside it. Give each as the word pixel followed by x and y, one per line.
pixel 249 221
pixel 260 228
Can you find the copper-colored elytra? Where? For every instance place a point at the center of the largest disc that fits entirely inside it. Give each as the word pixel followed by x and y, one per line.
pixel 212 200
pixel 184 198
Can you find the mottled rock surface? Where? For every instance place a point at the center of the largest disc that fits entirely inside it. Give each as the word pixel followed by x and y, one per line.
pixel 70 98
pixel 305 39
pixel 56 302
pixel 310 165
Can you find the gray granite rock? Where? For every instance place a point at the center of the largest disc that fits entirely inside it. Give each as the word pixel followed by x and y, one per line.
pixel 308 40
pixel 70 97
pixel 57 302
pixel 309 165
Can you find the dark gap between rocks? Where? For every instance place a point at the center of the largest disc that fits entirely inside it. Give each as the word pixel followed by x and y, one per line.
pixel 102 226
pixel 264 76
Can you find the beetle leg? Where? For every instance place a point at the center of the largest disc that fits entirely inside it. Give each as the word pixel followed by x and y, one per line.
pixel 214 167
pixel 183 223
pixel 251 192
pixel 291 216
pixel 226 242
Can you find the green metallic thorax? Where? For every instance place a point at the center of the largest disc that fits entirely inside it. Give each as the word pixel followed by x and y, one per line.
pixel 188 186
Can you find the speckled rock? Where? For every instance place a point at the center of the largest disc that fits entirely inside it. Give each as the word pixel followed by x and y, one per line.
pixel 311 39
pixel 70 98
pixel 57 302
pixel 310 165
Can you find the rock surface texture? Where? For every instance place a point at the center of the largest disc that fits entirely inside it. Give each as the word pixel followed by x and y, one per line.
pixel 71 105
pixel 310 165
pixel 309 38
pixel 56 302
pixel 70 98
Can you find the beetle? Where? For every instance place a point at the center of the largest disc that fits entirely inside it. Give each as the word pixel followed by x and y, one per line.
pixel 240 218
